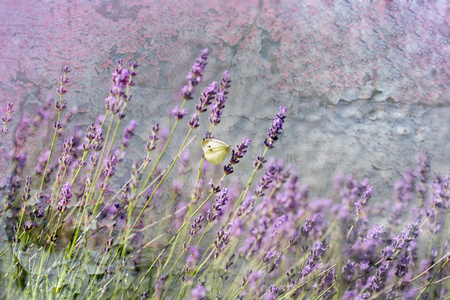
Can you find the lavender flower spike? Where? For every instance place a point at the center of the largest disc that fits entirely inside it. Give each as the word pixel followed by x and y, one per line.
pixel 221 98
pixel 195 75
pixel 277 127
pixel 236 154
pixel 66 194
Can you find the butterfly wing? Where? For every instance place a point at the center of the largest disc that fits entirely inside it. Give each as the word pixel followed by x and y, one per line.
pixel 215 151
pixel 217 155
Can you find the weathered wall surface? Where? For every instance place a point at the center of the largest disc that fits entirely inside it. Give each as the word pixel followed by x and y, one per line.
pixel 366 84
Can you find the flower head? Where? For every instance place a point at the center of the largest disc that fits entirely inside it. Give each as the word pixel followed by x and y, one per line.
pixel 276 128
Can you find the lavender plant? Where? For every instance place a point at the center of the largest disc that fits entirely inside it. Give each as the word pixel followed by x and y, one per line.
pixel 71 229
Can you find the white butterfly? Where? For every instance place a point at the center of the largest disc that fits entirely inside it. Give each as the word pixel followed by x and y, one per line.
pixel 215 151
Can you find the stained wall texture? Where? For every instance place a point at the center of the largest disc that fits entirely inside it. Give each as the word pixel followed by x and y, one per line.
pixel 366 83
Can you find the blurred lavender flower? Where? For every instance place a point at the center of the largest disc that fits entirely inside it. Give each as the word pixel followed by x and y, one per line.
pixel 272 259
pixel 110 166
pixel 266 179
pixel 365 196
pixel 194 256
pixel 348 270
pixel 374 233
pixel 199 292
pixel 309 224
pixel 402 266
pixel 274 292
pixel 159 286
pixel 177 113
pixel 312 262
pixel 221 200
pixel 379 279
pixel 295 195
pixel 423 167
pixel 440 192
pixel 128 132
pixel 222 239
pixel 66 194
pixel 408 234
pixel 404 187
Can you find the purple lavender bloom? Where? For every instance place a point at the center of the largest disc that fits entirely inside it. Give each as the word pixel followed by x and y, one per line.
pixel 196 226
pixel 66 69
pixel 246 206
pixel 271 256
pixel 221 200
pixel 26 190
pixel 274 292
pixel 380 278
pixel 405 187
pixel 408 235
pixel 402 266
pixel 374 233
pixel 312 261
pixel 440 191
pixel 194 256
pixel 151 142
pixel 241 149
pixel 194 121
pixel 63 80
pixel 309 225
pixel 66 195
pixel 221 98
pixel 387 252
pixel 277 127
pixel 266 179
pixel 259 161
pixel 177 113
pixel 199 292
pixel 366 195
pixel 348 270
pixel 186 92
pixel 319 249
pixel 120 79
pixel 195 75
pixel 110 166
pixel 206 98
pixel 365 267
pixel 423 167
pixel 215 189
